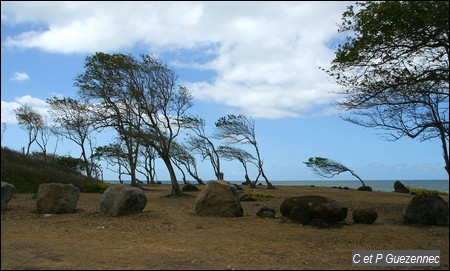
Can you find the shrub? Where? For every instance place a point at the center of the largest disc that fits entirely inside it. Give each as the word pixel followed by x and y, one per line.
pixel 95 187
pixel 423 191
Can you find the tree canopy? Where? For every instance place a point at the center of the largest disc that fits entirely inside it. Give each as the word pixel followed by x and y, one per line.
pixel 394 68
pixel 328 168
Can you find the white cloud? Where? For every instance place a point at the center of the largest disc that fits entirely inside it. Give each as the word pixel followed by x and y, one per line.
pixel 266 55
pixel 19 77
pixel 8 115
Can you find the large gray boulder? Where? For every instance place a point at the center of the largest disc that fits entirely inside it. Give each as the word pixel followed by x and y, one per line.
pixel 8 191
pixel 57 198
pixel 426 209
pixel 218 198
pixel 122 200
pixel 302 209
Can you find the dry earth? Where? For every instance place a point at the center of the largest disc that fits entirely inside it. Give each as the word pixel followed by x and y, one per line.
pixel 168 235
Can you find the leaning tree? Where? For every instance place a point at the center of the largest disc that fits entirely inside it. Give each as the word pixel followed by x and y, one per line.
pixel 328 168
pixel 241 130
pixel 140 99
pixel 244 157
pixel 394 69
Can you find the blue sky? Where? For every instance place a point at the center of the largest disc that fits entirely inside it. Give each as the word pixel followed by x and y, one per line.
pixel 260 59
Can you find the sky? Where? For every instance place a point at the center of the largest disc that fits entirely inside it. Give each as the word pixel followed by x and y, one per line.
pixel 260 59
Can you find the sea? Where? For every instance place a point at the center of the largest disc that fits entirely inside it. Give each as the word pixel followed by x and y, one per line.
pixel 377 185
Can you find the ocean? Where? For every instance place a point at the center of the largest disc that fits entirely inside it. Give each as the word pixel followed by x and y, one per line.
pixel 377 185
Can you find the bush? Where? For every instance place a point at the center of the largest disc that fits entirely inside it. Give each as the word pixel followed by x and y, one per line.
pixel 423 191
pixel 95 187
pixel 27 173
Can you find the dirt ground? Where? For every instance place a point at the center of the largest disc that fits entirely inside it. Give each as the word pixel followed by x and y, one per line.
pixel 168 235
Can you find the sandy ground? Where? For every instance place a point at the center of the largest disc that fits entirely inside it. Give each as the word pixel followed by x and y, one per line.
pixel 168 235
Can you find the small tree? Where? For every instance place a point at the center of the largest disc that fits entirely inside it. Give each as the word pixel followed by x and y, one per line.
pixel 31 121
pixel 328 168
pixel 232 153
pixel 201 144
pixel 75 122
pixel 241 129
pixel 181 156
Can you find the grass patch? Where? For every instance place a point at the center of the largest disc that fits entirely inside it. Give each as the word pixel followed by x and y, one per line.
pixel 257 195
pixel 423 191
pixel 28 173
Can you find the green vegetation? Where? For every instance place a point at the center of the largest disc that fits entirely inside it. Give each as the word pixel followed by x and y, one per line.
pixel 257 195
pixel 423 191
pixel 27 173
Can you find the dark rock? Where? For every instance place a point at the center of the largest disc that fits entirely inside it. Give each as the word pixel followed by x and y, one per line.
pixel 400 188
pixel 299 214
pixel 426 209
pixel 364 188
pixel 8 191
pixel 325 208
pixel 266 212
pixel 318 223
pixel 365 215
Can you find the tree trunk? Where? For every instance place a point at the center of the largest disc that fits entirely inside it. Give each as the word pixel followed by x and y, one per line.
pixel 176 191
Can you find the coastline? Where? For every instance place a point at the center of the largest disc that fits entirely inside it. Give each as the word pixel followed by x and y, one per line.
pixel 377 185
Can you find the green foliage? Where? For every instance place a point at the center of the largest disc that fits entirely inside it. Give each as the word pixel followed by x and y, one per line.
pixel 328 168
pixel 97 187
pixel 27 173
pixel 393 69
pixel 423 191
pixel 257 195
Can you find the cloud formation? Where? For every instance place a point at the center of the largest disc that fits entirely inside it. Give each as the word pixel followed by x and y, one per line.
pixel 265 55
pixel 7 108
pixel 19 77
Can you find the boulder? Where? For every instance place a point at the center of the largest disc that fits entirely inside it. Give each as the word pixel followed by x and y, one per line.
pixel 365 215
pixel 266 212
pixel 8 191
pixel 218 198
pixel 57 198
pixel 426 209
pixel 122 200
pixel 364 188
pixel 302 209
pixel 400 188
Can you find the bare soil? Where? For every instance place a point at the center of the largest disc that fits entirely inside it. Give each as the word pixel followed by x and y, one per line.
pixel 168 235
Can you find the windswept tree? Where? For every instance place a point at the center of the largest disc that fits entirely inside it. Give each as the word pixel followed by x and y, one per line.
pixel 115 155
pixel 232 153
pixel 148 164
pixel 75 122
pixel 140 99
pixel 182 157
pixel 44 132
pixel 240 130
pixel 394 69
pixel 163 109
pixel 201 144
pixel 31 121
pixel 328 168
pixel 108 84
